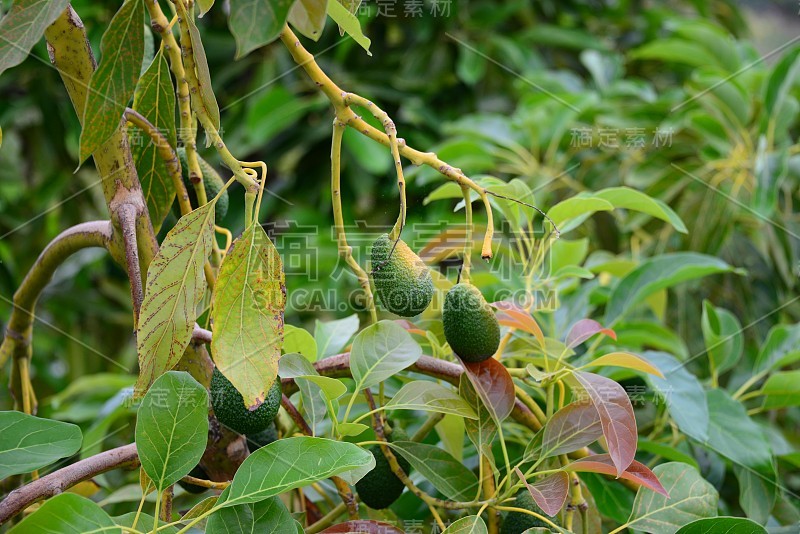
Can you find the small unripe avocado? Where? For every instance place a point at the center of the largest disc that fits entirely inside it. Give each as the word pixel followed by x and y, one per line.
pixel 265 437
pixel 518 522
pixel 212 183
pixel 196 472
pixel 380 487
pixel 470 326
pixel 231 411
pixel 403 282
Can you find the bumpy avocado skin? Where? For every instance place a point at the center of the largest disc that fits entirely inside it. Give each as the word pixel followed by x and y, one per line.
pixel 231 411
pixel 265 437
pixel 380 488
pixel 403 282
pixel 470 326
pixel 196 472
pixel 212 182
pixel 517 522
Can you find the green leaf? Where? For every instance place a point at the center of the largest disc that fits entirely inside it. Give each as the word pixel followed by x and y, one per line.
pixel 204 5
pixel 690 498
pixel 782 347
pixel 665 451
pixel 447 474
pixel 67 513
pixel 472 524
pixel 300 341
pixel 722 525
pixel 430 397
pixel 172 428
pixel 308 17
pixel 757 493
pixel 683 394
pixel 576 207
pixel 268 516
pixel 175 285
pixel 349 23
pixel 247 313
pixel 380 351
pixel 350 429
pixel 627 361
pixel 676 51
pixel 207 95
pixel 126 520
pixel 723 337
pixel 660 272
pixel 734 435
pixel 30 442
pixel 627 198
pixel 292 463
pixel 113 83
pixel 782 390
pixel 22 27
pixel 255 23
pixel 154 98
pixel 781 81
pixel 612 498
pixel 332 336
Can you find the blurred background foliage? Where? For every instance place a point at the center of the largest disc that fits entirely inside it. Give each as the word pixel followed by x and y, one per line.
pixel 570 97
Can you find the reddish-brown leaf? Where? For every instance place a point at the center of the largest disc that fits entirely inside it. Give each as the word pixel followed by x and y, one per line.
pixel 515 316
pixel 362 527
pixel 572 427
pixel 549 493
pixel 616 416
pixel 636 472
pixel 583 330
pixel 494 386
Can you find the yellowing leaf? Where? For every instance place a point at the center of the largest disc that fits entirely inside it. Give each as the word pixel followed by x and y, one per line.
pixel 175 285
pixel 247 312
pixel 626 360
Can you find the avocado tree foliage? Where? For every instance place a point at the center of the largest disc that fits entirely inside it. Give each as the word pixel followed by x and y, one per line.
pixel 552 434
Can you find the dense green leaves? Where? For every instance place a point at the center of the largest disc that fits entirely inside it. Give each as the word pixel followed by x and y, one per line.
pixel 690 498
pixel 332 336
pixel 723 337
pixel 172 428
pixel 447 474
pixel 247 312
pixel 113 83
pixel 22 27
pixel 255 23
pixel 381 350
pixel 29 442
pixel 175 285
pixel 154 98
pixel 293 463
pixel 722 525
pixel 67 513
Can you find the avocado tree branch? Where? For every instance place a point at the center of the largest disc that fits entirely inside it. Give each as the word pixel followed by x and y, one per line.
pixel 124 457
pixel 340 101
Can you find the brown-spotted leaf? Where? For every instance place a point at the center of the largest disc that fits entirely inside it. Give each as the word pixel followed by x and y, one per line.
pixel 175 285
pixel 514 316
pixel 550 493
pixel 494 386
pixel 603 463
pixel 583 330
pixel 22 27
pixel 572 427
pixel 247 313
pixel 362 526
pixel 155 100
pixel 616 416
pixel 114 81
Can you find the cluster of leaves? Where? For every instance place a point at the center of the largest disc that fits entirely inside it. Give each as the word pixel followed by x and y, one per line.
pixel 696 442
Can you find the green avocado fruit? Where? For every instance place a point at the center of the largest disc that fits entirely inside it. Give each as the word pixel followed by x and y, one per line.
pixel 212 183
pixel 380 487
pixel 196 472
pixel 231 411
pixel 518 522
pixel 403 282
pixel 265 437
pixel 470 326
